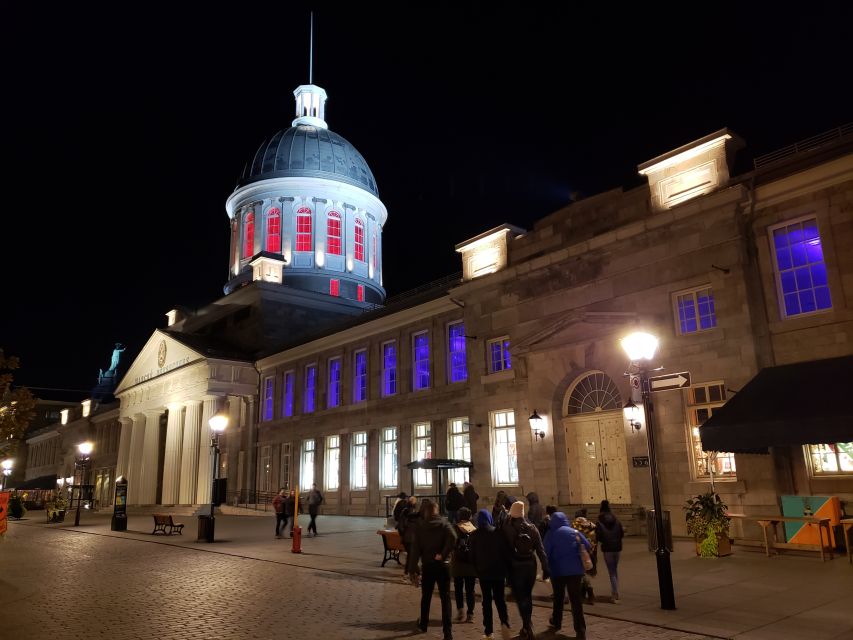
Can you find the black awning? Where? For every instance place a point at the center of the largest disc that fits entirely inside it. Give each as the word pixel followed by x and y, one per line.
pixel 42 482
pixel 439 463
pixel 793 404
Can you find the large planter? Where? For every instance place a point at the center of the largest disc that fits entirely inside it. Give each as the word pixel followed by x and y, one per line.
pixel 723 547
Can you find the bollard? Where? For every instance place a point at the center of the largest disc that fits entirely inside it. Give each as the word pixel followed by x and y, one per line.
pixel 297 540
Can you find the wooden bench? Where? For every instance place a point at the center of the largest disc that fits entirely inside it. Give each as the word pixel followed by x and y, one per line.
pixel 767 522
pixel 392 544
pixel 163 521
pixel 847 527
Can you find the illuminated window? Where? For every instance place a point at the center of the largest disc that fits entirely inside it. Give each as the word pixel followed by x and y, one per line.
pixel 303 229
pixel 388 458
pixel 274 230
pixel 334 386
pixel 333 463
pixel 695 310
pixel 333 233
pixel 359 386
pixel 504 449
pixel 359 461
pixel 284 469
pixel 307 475
pixel 457 360
pixel 334 287
pixel 800 269
pixel 269 386
pixel 310 388
pixel 288 394
pixel 360 292
pixel 831 459
pixel 389 368
pixel 459 446
pixel 499 358
pixel 359 240
pixel 249 235
pixel 702 400
pixel 420 361
pixel 422 450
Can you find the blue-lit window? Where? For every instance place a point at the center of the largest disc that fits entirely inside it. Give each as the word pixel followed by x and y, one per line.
pixel 800 269
pixel 359 387
pixel 420 361
pixel 389 368
pixel 310 388
pixel 499 358
pixel 269 386
pixel 696 310
pixel 456 351
pixel 288 394
pixel 334 387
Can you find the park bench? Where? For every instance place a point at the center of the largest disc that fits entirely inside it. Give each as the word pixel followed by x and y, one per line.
pixel 771 542
pixel 163 521
pixel 847 527
pixel 392 545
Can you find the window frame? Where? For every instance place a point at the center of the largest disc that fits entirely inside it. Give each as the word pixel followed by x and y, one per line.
pixel 462 475
pixel 358 235
pixel 694 291
pixel 389 374
pixel 359 380
pixel 423 477
pixel 332 463
pixel 334 287
pixel 333 382
pixel 494 430
pixel 463 352
pixel 384 452
pixel 248 234
pixel 285 455
pixel 304 230
pixel 273 229
pixel 692 422
pixel 307 453
pixel 309 398
pixel 288 384
pixel 359 451
pixel 506 356
pixel 334 233
pixel 416 382
pixel 268 404
pixel 839 473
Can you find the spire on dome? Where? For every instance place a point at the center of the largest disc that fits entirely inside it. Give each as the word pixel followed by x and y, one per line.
pixel 310 99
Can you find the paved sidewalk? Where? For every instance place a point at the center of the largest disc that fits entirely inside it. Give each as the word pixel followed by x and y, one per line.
pixel 745 596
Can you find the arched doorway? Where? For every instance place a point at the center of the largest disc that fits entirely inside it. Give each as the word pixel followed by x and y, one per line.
pixel 595 440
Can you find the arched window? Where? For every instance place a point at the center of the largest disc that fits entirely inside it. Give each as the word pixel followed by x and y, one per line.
pixel 359 240
pixel 594 392
pixel 333 233
pixel 303 229
pixel 274 230
pixel 249 235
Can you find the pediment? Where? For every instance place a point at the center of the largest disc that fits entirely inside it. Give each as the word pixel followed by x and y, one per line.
pixel 160 355
pixel 573 328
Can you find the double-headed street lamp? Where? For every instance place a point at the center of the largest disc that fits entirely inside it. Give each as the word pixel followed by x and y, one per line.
pixel 7 471
pixel 641 348
pixel 217 423
pixel 81 464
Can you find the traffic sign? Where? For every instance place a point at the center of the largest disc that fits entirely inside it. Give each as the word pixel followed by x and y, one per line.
pixel 669 381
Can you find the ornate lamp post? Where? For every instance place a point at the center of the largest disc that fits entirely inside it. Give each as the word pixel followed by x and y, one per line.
pixel 641 348
pixel 7 471
pixel 81 464
pixel 218 424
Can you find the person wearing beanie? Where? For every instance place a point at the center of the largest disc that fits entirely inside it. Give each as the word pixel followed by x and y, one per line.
pixel 488 552
pixel 609 532
pixel 525 546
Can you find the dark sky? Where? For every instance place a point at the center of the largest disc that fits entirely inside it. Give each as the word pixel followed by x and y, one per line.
pixel 127 129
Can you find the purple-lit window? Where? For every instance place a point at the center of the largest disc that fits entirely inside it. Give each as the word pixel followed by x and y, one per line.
pixel 499 358
pixel 334 387
pixel 389 368
pixel 801 271
pixel 696 310
pixel 288 394
pixel 420 361
pixel 359 387
pixel 456 352
pixel 310 388
pixel 269 385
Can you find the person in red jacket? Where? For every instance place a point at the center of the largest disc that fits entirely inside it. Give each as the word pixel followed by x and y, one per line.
pixel 280 516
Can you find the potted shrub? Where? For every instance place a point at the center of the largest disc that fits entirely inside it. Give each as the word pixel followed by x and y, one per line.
pixel 17 509
pixel 56 508
pixel 708 523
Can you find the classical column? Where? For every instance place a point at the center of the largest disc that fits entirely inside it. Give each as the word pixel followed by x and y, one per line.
pixel 205 453
pixel 134 459
pixel 124 446
pixel 172 456
pixel 150 457
pixel 190 454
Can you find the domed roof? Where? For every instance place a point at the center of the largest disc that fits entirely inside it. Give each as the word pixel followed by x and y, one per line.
pixel 308 151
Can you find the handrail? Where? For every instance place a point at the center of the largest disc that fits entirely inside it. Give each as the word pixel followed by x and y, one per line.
pixel 389 502
pixel 803 145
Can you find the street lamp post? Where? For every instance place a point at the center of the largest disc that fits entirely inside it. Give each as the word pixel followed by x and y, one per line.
pixel 217 423
pixel 81 464
pixel 7 471
pixel 641 348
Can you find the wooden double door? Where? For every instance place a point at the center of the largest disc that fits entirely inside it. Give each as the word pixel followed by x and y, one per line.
pixel 601 456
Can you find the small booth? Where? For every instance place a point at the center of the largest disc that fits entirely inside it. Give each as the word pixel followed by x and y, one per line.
pixel 439 465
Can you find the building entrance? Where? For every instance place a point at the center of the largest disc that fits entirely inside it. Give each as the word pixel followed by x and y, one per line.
pixel 600 456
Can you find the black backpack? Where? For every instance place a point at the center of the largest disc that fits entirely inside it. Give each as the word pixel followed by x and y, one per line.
pixel 463 548
pixel 523 545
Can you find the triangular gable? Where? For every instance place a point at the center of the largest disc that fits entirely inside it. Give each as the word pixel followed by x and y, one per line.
pixel 161 354
pixel 571 328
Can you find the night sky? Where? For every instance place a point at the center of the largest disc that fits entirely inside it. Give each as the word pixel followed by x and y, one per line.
pixel 126 131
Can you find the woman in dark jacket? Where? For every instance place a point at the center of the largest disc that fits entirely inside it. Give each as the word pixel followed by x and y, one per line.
pixel 489 553
pixel 535 511
pixel 609 533
pixel 434 541
pixel 499 509
pixel 524 545
pixel 406 525
pixel 471 497
pixel 453 502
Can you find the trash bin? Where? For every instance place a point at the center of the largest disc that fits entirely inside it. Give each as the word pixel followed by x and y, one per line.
pixel 119 522
pixel 651 528
pixel 205 529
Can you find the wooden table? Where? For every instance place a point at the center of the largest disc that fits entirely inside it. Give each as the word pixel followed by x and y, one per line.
pixel 847 523
pixel 771 521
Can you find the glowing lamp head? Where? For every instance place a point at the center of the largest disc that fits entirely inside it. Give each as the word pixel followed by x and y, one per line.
pixel 85 448
pixel 218 423
pixel 7 465
pixel 640 346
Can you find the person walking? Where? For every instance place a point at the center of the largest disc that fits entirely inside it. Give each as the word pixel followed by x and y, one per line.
pixel 290 509
pixel 587 528
pixel 563 549
pixel 280 516
pixel 407 524
pixel 471 497
pixel 489 555
pixel 433 544
pixel 400 503
pixel 609 533
pixel 315 499
pixel 453 501
pixel 525 545
pixel 462 566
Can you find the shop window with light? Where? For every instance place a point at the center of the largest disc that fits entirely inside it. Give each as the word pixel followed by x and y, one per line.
pixel 800 268
pixel 310 388
pixel 388 458
pixel 695 310
pixel 389 368
pixel 702 400
pixel 287 400
pixel 359 382
pixel 284 468
pixel 360 292
pixel 249 235
pixel 420 361
pixel 333 233
pixel 333 397
pixel 274 230
pixel 422 450
pixel 499 358
pixel 307 470
pixel 359 461
pixel 459 446
pixel 269 389
pixel 834 459
pixel 303 229
pixel 504 448
pixel 456 348
pixel 359 240
pixel 333 463
pixel 334 287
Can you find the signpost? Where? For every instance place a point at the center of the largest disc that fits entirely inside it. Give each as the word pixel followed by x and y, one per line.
pixel 669 381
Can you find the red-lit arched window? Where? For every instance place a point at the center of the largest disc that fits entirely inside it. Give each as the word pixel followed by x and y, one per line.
pixel 333 233
pixel 359 240
pixel 274 230
pixel 249 235
pixel 303 229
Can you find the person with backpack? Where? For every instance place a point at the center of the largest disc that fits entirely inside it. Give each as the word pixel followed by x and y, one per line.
pixel 433 544
pixel 609 532
pixel 453 501
pixel 488 553
pixel 535 511
pixel 587 528
pixel 462 566
pixel 315 499
pixel 563 548
pixel 525 545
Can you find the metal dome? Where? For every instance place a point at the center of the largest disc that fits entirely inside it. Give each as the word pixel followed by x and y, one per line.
pixel 307 151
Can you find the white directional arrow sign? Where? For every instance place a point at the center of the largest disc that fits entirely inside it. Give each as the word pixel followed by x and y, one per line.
pixel 670 381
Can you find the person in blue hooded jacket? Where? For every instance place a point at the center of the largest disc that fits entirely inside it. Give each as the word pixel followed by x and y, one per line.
pixel 562 545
